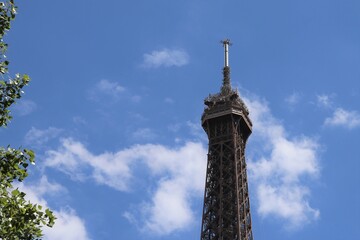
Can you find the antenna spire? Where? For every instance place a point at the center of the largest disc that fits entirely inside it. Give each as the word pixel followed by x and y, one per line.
pixel 226 87
pixel 226 43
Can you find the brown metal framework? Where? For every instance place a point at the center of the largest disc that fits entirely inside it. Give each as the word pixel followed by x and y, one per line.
pixel 226 211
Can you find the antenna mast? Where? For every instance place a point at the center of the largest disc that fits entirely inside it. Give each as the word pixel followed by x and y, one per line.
pixel 226 87
pixel 226 44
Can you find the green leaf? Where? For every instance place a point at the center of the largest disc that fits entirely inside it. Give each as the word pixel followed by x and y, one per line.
pixel 15 192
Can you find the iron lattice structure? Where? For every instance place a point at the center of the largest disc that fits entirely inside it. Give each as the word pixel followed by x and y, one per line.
pixel 226 211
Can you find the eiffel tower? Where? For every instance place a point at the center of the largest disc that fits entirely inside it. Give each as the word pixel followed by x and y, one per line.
pixel 226 211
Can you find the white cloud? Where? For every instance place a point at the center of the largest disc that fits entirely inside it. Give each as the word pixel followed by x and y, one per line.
pixel 286 202
pixel 279 165
pixel 24 107
pixel 105 89
pixel 324 100
pixel 74 159
pixel 111 91
pixel 110 87
pixel 170 208
pixel 166 58
pixel 68 225
pixel 44 187
pixel 182 176
pixel 37 137
pixel 342 117
pixel 179 174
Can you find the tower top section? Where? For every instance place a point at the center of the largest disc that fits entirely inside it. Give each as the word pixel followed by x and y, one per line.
pixel 227 99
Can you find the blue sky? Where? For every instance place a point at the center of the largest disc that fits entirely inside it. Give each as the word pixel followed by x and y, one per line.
pixel 113 112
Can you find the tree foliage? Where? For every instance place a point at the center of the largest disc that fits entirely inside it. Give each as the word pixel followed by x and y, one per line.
pixel 19 219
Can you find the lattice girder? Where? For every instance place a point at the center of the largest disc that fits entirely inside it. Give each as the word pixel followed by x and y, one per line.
pixel 226 212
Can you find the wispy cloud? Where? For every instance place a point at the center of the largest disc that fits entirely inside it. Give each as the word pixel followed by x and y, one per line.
pixel 174 127
pixel 324 100
pixel 106 89
pixel 109 87
pixel 344 118
pixel 136 98
pixel 144 134
pixel 24 107
pixel 278 166
pixel 196 130
pixel 166 58
pixel 178 173
pixel 293 99
pixel 111 91
pixel 38 137
pixel 340 117
pixel 68 224
pixel 78 120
